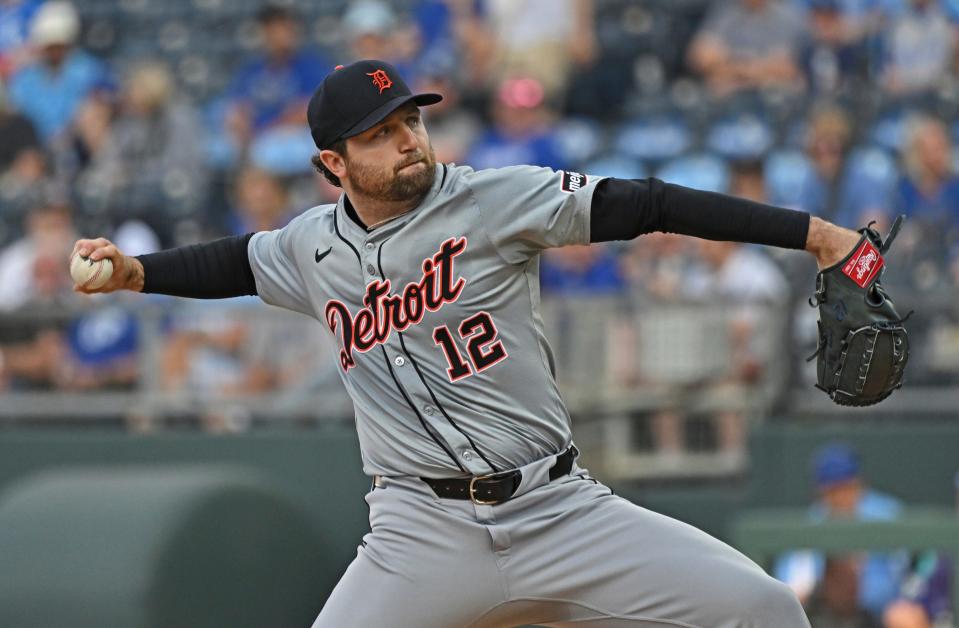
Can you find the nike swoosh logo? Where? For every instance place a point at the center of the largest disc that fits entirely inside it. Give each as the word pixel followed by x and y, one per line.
pixel 319 256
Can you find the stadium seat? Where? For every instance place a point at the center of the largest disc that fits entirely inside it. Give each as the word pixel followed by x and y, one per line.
pixel 870 180
pixel 701 170
pixel 655 137
pixel 578 139
pixel 889 131
pixel 284 151
pixel 616 165
pixel 744 135
pixel 786 172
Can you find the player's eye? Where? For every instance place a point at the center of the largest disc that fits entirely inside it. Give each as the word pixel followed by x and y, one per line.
pixel 413 121
pixel 383 132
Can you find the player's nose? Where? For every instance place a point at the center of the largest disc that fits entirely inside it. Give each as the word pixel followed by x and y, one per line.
pixel 407 140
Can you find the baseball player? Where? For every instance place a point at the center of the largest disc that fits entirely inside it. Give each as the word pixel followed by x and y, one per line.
pixel 426 276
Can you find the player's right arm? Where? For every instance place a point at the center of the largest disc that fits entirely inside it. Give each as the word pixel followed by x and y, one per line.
pixel 211 270
pixel 261 264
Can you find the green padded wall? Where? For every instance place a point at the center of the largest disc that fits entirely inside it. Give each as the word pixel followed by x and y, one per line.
pixel 913 460
pixel 318 469
pixel 198 546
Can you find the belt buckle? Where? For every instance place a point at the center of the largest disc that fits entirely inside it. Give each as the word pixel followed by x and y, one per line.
pixel 473 498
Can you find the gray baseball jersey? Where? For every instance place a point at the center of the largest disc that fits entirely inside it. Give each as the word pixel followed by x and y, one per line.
pixel 434 314
pixel 441 347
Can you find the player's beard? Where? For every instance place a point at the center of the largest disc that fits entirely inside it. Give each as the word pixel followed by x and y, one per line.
pixel 390 184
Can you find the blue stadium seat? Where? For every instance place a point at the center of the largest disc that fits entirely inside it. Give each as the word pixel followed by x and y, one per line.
pixel 702 171
pixel 616 165
pixel 194 71
pixel 786 172
pixel 744 135
pixel 174 36
pixel 870 182
pixel 578 139
pixel 655 137
pixel 285 151
pixel 889 131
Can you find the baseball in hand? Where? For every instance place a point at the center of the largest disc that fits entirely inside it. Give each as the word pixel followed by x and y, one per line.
pixel 90 274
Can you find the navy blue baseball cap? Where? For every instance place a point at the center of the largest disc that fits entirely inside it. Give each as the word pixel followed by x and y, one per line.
pixel 354 98
pixel 834 463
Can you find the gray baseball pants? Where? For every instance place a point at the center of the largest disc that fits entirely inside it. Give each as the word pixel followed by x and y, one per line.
pixel 564 553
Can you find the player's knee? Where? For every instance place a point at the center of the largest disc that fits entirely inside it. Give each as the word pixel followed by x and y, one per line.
pixel 772 603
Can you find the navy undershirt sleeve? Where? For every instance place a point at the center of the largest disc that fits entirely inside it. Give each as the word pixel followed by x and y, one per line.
pixel 212 270
pixel 623 209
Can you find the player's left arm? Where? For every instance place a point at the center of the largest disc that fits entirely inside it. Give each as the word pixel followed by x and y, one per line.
pixel 623 209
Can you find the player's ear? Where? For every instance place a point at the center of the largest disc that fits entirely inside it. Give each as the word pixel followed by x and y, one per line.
pixel 334 162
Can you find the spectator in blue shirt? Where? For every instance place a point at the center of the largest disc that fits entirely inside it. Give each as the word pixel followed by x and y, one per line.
pixel 837 187
pixel 843 494
pixel 581 270
pixel 272 88
pixel 928 192
pixel 827 146
pixel 523 131
pixel 52 89
pixel 929 189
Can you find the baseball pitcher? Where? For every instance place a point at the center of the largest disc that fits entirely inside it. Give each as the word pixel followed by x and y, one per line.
pixel 426 277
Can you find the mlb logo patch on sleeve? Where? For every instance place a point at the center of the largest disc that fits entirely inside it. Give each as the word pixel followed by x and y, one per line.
pixel 572 181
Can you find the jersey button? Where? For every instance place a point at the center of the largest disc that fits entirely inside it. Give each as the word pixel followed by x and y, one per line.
pixel 399 360
pixel 429 410
pixel 370 246
pixel 370 269
pixel 467 455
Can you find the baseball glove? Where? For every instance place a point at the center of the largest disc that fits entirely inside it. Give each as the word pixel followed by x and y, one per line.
pixel 863 346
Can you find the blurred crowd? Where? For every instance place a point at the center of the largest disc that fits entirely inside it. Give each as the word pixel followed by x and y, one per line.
pixel 162 124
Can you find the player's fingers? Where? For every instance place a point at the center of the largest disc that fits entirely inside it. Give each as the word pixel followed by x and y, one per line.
pixel 85 247
pixel 81 247
pixel 102 252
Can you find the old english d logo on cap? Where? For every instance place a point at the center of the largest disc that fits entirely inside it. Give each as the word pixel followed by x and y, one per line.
pixel 381 79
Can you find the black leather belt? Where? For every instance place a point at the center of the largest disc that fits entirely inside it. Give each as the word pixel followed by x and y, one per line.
pixel 496 488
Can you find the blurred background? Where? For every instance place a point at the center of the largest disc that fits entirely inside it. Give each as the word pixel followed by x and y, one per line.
pixel 164 460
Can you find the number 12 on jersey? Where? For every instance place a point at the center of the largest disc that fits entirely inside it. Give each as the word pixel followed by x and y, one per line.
pixel 482 346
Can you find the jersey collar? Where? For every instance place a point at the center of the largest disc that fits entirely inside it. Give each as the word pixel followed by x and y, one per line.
pixel 354 226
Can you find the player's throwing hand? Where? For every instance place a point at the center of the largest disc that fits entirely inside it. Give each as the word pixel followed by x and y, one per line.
pixel 127 271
